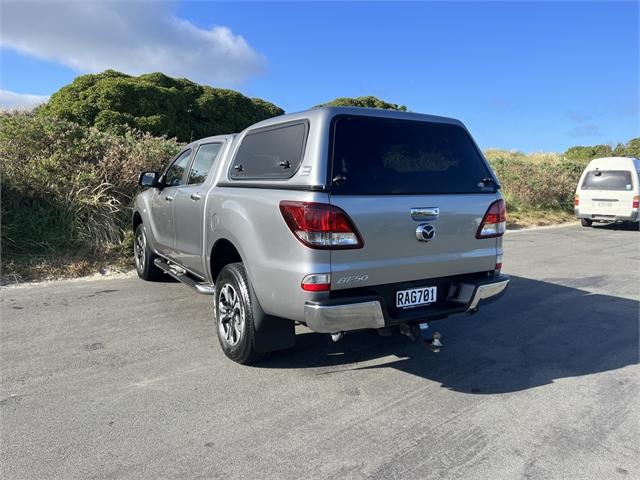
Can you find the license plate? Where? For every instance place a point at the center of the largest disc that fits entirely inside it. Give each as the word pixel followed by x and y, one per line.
pixel 416 297
pixel 605 204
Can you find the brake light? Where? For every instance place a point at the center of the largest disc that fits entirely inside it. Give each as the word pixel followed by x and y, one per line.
pixel 636 200
pixel 494 222
pixel 316 282
pixel 576 200
pixel 320 225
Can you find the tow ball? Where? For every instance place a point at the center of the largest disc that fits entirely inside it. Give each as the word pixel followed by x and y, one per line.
pixel 336 337
pixel 420 332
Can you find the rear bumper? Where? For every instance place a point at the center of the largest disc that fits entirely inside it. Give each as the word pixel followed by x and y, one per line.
pixel 345 314
pixel 633 217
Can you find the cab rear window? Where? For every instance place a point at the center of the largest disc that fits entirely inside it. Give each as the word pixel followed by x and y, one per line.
pixel 607 180
pixel 379 156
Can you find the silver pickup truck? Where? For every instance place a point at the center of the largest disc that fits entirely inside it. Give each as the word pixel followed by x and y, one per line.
pixel 337 218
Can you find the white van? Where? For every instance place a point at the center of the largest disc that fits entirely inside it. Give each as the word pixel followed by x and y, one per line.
pixel 608 191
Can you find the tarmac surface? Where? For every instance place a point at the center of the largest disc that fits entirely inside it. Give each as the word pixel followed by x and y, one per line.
pixel 119 378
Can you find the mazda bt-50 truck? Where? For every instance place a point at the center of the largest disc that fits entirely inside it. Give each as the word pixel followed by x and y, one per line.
pixel 338 218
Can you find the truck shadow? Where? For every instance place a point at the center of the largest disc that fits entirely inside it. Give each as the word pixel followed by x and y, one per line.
pixel 537 333
pixel 622 226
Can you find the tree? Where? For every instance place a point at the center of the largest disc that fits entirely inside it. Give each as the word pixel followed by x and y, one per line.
pixel 632 148
pixel 157 104
pixel 589 153
pixel 619 151
pixel 367 102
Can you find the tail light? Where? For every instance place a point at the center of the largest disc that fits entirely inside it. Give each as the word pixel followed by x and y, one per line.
pixel 576 200
pixel 494 222
pixel 316 282
pixel 635 201
pixel 320 225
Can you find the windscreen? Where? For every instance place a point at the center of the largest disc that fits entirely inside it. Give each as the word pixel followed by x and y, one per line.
pixel 379 156
pixel 607 180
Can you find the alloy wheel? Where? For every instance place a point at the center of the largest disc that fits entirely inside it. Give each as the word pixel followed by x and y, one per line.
pixel 230 315
pixel 139 249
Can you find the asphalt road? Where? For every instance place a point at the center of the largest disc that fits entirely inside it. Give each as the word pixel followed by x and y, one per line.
pixel 119 378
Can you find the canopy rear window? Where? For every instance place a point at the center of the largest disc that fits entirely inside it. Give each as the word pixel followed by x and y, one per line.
pixel 607 180
pixel 379 156
pixel 270 153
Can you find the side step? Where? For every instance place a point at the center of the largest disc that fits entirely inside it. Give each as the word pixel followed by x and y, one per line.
pixel 183 277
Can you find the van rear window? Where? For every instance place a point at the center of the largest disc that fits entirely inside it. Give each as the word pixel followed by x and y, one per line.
pixel 607 180
pixel 379 156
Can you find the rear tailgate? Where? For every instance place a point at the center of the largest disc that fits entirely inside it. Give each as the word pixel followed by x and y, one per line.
pixel 392 252
pixel 607 193
pixel 382 169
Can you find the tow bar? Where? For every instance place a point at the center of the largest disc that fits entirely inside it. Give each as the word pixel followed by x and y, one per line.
pixel 414 332
pixel 419 332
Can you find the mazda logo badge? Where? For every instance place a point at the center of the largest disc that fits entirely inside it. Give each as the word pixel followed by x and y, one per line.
pixel 425 232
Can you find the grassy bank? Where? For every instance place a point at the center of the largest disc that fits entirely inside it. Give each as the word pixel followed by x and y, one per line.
pixel 539 188
pixel 67 192
pixel 66 264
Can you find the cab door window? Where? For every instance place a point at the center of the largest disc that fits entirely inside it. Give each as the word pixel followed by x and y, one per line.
pixel 175 173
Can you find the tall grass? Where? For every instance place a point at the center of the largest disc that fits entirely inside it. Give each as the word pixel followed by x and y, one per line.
pixel 67 187
pixel 541 181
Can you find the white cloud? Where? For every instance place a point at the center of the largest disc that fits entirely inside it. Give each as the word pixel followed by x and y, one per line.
pixel 132 37
pixel 20 101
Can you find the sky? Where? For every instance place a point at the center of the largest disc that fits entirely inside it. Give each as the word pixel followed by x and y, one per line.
pixel 529 76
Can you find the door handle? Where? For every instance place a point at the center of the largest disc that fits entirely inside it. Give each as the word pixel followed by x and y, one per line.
pixel 169 198
pixel 195 196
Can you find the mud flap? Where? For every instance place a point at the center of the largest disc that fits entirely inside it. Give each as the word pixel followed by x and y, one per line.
pixel 271 333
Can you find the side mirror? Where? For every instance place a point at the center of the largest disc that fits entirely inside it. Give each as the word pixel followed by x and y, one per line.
pixel 149 179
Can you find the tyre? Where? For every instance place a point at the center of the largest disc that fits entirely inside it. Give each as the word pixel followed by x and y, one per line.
pixel 234 315
pixel 585 222
pixel 144 257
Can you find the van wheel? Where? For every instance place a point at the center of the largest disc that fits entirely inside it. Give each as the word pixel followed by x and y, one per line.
pixel 585 222
pixel 144 257
pixel 233 310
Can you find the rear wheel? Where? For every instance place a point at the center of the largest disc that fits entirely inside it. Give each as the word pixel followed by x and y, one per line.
pixel 235 322
pixel 144 257
pixel 585 222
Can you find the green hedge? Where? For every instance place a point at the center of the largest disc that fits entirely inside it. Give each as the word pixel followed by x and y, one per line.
pixel 157 104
